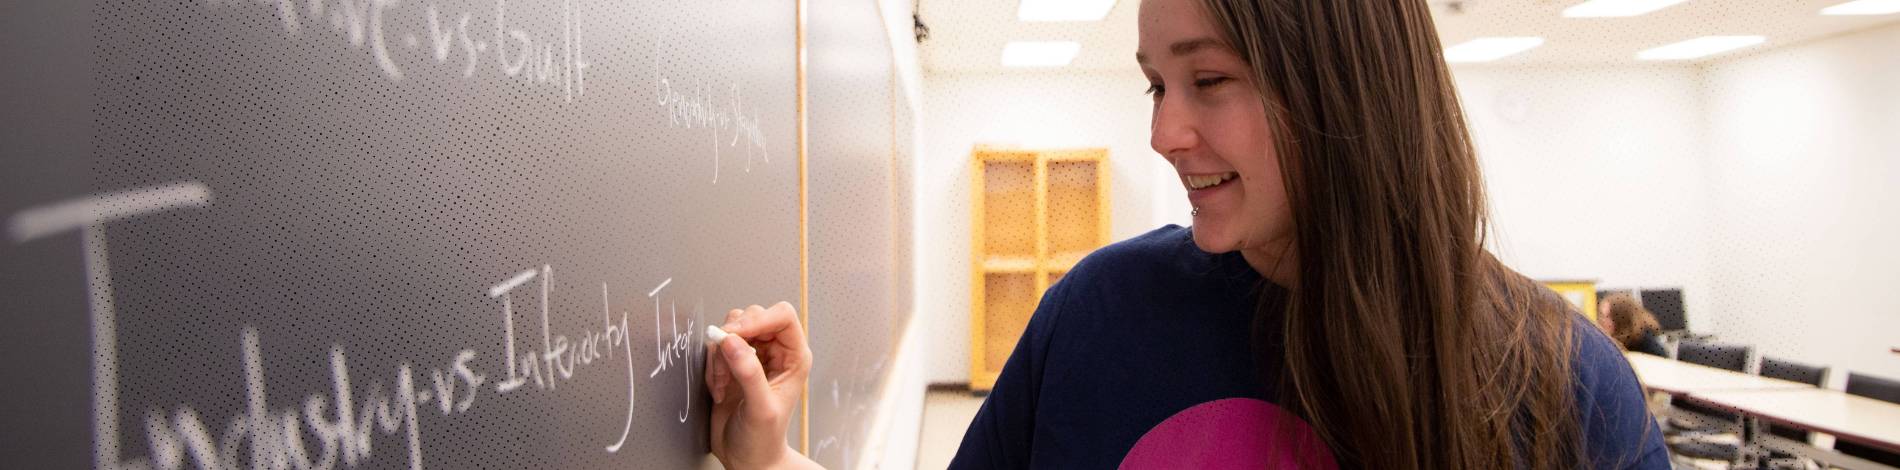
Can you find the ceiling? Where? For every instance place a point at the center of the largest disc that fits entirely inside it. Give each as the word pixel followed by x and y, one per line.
pixel 968 35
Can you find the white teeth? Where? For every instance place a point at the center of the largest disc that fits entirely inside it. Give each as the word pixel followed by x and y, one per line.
pixel 1201 182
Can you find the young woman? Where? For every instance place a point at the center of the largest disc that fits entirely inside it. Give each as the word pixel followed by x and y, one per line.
pixel 1332 305
pixel 1629 324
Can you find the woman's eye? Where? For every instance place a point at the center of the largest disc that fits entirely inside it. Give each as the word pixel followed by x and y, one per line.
pixel 1210 81
pixel 1153 89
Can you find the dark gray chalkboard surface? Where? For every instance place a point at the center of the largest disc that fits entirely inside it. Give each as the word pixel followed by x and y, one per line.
pixel 431 233
pixel 855 282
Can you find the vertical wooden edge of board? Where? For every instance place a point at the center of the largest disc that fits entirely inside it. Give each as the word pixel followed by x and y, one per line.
pixel 897 328
pixel 977 254
pixel 1039 186
pixel 804 243
pixel 1102 193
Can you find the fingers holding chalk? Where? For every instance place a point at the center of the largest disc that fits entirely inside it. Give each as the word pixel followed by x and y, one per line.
pixel 717 373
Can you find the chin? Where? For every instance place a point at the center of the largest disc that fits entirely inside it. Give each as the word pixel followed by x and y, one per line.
pixel 1211 240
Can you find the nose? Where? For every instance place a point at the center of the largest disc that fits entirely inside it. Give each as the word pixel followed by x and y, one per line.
pixel 1174 129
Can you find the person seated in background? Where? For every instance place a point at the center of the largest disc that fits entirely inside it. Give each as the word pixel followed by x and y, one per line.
pixel 1630 325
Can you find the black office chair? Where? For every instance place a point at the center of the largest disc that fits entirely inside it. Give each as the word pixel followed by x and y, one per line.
pixel 1732 357
pixel 1878 388
pixel 1721 356
pixel 1667 305
pixel 1696 438
pixel 1653 345
pixel 1776 368
pixel 1606 293
pixel 1791 371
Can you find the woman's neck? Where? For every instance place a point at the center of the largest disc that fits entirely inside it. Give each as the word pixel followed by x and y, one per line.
pixel 1275 261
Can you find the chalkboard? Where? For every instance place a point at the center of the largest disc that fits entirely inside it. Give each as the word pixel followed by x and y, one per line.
pixel 857 302
pixel 431 233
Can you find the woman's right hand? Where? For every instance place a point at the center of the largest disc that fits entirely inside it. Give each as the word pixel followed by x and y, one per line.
pixel 757 376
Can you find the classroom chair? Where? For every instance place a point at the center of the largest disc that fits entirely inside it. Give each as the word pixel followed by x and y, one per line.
pixel 1717 435
pixel 1878 388
pixel 1667 305
pixel 1601 293
pixel 1720 356
pixel 1655 345
pixel 1777 368
pixel 1732 357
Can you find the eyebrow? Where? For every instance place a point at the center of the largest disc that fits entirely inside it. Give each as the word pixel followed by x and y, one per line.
pixel 1185 47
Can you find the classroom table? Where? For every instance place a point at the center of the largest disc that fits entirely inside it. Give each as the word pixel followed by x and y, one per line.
pixel 1848 417
pixel 1683 378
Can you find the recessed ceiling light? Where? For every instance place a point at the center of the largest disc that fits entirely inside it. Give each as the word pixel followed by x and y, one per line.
pixel 1616 8
pixel 1063 10
pixel 1040 53
pixel 1864 7
pixel 1699 47
pixel 1489 49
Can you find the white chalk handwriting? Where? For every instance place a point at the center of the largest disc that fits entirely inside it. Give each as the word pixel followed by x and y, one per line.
pixel 549 59
pixel 724 119
pixel 341 425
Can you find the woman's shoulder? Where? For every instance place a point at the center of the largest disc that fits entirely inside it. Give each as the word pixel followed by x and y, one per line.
pixel 1137 273
pixel 1619 430
pixel 1166 242
pixel 1167 252
pixel 1598 359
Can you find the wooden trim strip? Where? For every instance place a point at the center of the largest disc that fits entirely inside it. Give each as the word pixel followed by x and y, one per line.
pixel 804 229
pixel 978 254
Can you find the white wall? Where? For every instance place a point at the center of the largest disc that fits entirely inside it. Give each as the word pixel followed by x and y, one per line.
pixel 1804 177
pixel 1594 173
pixel 1540 133
pixel 1767 186
pixel 1030 110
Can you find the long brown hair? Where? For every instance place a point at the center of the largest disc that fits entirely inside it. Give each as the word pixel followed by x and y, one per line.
pixel 1629 321
pixel 1406 344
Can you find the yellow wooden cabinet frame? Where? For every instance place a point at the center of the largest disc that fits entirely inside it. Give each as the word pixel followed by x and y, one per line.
pixel 1580 292
pixel 1042 263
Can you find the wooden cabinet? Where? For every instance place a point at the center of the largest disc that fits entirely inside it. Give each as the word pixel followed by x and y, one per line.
pixel 1035 214
pixel 1581 293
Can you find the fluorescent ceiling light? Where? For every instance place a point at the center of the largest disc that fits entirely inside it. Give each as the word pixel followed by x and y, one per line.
pixel 1699 47
pixel 1489 49
pixel 1864 7
pixel 1039 53
pixel 1063 10
pixel 1616 8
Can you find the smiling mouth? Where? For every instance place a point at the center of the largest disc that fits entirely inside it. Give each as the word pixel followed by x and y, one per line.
pixel 1208 181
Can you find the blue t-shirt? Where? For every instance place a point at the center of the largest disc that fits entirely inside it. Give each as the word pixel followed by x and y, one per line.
pixel 1143 357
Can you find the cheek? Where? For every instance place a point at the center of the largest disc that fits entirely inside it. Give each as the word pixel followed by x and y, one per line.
pixel 1266 201
pixel 1240 135
pixel 1252 153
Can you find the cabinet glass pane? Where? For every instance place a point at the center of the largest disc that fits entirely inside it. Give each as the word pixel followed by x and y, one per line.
pixel 1009 299
pixel 1009 209
pixel 1073 209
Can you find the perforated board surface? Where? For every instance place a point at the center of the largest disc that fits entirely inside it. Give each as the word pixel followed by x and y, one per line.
pixel 854 192
pixel 317 231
